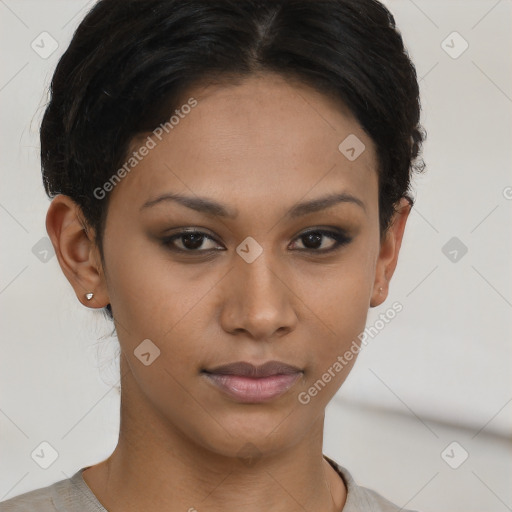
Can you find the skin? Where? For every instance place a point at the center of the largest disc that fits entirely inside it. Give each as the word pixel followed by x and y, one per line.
pixel 259 147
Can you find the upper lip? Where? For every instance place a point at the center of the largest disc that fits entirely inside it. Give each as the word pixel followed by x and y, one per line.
pixel 245 369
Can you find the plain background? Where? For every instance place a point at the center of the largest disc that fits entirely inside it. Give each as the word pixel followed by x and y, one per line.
pixel 438 373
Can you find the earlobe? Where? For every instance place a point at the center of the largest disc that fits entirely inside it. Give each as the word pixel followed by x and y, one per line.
pixel 389 250
pixel 379 299
pixel 76 251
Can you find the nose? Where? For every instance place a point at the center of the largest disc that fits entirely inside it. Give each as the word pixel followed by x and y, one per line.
pixel 257 300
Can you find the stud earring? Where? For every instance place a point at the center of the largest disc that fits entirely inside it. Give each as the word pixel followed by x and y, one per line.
pixel 89 296
pixel 380 289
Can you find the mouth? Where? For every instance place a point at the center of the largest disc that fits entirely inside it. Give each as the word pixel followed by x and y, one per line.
pixel 247 383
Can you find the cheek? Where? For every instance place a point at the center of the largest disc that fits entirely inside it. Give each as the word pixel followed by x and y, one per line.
pixel 149 293
pixel 164 301
pixel 337 298
pixel 342 319
pixel 334 347
pixel 339 292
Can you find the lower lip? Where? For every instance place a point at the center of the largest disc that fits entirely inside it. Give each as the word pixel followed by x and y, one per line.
pixel 251 390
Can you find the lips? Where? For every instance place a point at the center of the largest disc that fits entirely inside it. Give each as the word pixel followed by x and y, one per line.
pixel 244 369
pixel 246 383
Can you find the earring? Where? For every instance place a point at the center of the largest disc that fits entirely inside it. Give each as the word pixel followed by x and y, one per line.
pixel 89 296
pixel 380 289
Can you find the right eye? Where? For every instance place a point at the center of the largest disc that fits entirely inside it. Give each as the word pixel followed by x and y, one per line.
pixel 191 240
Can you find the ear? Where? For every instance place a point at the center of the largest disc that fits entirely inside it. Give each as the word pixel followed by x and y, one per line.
pixel 78 256
pixel 388 255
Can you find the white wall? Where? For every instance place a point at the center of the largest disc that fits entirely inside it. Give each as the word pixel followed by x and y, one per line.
pixel 439 371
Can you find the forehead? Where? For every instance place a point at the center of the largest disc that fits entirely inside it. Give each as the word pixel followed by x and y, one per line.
pixel 257 139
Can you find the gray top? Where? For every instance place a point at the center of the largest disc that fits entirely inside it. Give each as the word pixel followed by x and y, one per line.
pixel 73 495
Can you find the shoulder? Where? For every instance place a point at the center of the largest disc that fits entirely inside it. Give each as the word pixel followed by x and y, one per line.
pixel 38 500
pixel 63 496
pixel 373 501
pixel 361 498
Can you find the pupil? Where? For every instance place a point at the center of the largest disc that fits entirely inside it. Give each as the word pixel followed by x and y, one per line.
pixel 316 238
pixel 196 239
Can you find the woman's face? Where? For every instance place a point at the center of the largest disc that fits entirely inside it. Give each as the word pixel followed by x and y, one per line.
pixel 256 287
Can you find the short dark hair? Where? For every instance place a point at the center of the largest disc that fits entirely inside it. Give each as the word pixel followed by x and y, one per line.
pixel 130 61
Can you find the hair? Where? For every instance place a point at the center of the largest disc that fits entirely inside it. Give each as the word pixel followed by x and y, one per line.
pixel 131 61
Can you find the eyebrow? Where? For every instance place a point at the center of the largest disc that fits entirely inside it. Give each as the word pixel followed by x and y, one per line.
pixel 210 207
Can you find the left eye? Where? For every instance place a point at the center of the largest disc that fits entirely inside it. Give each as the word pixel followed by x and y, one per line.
pixel 191 241
pixel 313 240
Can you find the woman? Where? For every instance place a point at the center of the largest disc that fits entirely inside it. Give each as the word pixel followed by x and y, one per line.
pixel 230 182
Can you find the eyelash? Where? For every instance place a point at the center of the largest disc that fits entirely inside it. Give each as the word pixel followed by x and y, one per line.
pixel 339 237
